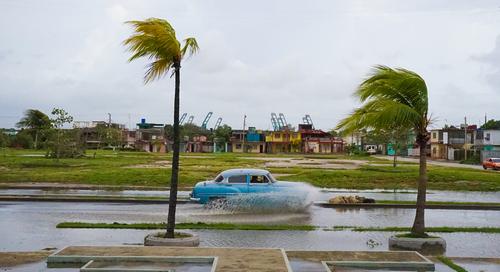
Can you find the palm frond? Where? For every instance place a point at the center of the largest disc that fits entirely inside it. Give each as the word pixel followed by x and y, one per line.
pixel 155 40
pixel 190 47
pixel 392 98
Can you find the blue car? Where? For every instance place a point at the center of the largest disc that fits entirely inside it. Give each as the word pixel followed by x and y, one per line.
pixel 242 183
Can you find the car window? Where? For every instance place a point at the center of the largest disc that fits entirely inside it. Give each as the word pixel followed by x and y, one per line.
pixel 237 179
pixel 495 160
pixel 259 179
pixel 219 178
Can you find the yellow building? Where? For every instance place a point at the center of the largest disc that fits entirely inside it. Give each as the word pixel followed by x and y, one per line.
pixel 283 141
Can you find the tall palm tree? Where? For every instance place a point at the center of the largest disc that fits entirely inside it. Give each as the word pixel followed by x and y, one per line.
pixel 155 40
pixel 36 121
pixel 396 96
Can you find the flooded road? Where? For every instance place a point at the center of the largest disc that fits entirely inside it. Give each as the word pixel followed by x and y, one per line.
pixel 32 226
pixel 320 195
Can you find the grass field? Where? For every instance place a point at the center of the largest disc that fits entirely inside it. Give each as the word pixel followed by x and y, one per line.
pixel 153 169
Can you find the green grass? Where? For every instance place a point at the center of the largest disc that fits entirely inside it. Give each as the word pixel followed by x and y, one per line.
pixel 199 225
pixel 432 229
pixel 451 264
pixel 439 203
pixel 114 168
pixel 229 226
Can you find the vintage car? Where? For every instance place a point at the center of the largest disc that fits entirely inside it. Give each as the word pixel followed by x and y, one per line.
pixel 237 182
pixel 493 163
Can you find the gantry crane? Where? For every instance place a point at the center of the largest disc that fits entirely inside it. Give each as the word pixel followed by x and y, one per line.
pixel 217 124
pixel 207 118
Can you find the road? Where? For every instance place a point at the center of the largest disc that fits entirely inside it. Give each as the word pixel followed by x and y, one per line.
pixel 433 162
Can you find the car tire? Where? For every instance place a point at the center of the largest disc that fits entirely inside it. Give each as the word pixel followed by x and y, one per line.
pixel 484 167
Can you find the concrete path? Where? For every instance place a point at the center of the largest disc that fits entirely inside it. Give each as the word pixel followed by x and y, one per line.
pixel 434 162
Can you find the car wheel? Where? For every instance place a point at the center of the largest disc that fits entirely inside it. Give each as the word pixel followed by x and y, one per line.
pixel 484 167
pixel 216 202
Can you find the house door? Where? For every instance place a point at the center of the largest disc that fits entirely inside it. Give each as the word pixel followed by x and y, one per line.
pixel 261 149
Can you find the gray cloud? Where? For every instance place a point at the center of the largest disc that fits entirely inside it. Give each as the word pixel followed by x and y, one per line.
pixel 256 57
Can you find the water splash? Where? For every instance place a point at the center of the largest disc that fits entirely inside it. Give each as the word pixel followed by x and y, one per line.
pixel 290 200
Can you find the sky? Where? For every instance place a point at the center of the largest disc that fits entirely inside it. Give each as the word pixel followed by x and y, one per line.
pixel 256 57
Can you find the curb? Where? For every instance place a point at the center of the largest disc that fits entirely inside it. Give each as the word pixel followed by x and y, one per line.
pixel 410 206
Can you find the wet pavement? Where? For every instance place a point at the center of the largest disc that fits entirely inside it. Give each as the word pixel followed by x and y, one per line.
pixel 320 195
pixel 29 226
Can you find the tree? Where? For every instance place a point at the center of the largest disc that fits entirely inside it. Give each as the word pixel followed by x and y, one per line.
pixel 155 40
pixel 396 96
pixel 60 117
pixel 223 133
pixel 491 124
pixel 36 121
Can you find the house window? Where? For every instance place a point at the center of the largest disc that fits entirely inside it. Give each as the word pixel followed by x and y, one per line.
pixel 487 138
pixel 238 146
pixel 434 135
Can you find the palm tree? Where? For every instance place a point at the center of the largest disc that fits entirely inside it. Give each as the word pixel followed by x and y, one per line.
pixel 36 121
pixel 155 40
pixel 395 96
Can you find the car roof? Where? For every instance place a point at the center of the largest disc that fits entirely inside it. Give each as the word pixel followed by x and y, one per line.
pixel 244 171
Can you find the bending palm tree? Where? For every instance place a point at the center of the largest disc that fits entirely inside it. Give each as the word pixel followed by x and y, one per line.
pixel 155 39
pixel 395 96
pixel 36 121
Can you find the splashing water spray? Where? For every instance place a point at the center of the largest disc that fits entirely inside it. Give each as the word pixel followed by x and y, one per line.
pixel 294 199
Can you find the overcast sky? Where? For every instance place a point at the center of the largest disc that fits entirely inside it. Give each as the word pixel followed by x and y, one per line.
pixel 256 57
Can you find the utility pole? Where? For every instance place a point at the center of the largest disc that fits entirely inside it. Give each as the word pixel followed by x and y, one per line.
pixel 465 138
pixel 109 119
pixel 244 125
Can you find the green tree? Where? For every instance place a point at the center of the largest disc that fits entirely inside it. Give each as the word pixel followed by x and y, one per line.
pixel 155 40
pixel 396 96
pixel 60 138
pixel 491 124
pixel 36 121
pixel 223 133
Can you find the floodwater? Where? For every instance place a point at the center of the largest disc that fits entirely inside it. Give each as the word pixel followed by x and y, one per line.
pixel 29 226
pixel 321 195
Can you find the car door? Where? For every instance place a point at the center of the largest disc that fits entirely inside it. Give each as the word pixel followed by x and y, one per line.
pixel 259 184
pixel 237 184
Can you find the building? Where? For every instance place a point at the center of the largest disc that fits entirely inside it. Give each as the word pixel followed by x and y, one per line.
pixel 150 137
pixel 199 144
pixel 449 143
pixel 251 141
pixel 318 141
pixel 283 141
pixel 487 142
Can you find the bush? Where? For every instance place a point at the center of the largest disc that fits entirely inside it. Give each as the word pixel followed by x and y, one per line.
pixel 22 140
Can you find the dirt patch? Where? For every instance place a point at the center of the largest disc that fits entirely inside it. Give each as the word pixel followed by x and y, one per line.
pixel 155 164
pixel 315 164
pixel 3 168
pixel 230 259
pixel 8 259
pixel 386 256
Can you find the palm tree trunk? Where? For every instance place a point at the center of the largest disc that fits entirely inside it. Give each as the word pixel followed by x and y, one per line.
pixel 419 223
pixel 172 202
pixel 394 161
pixel 36 138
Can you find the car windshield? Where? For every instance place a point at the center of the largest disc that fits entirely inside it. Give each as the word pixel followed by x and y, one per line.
pixel 219 178
pixel 271 178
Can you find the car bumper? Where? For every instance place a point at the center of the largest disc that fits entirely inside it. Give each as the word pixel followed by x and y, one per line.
pixel 194 199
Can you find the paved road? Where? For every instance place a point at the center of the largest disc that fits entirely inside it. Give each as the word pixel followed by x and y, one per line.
pixel 434 162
